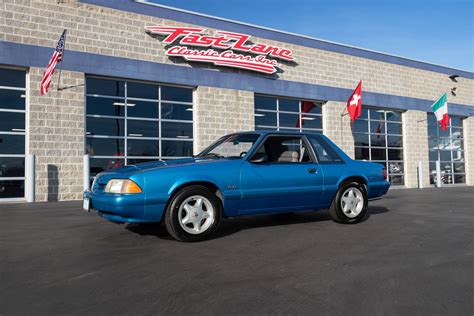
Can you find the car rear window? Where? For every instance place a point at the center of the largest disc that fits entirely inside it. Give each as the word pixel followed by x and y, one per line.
pixel 324 152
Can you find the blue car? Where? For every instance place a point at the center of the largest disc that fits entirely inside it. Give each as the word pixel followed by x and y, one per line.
pixel 246 173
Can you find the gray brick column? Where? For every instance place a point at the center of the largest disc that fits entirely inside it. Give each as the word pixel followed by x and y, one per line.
pixel 56 135
pixel 468 125
pixel 415 147
pixel 220 111
pixel 338 128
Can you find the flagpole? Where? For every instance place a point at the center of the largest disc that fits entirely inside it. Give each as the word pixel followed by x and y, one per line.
pixel 62 59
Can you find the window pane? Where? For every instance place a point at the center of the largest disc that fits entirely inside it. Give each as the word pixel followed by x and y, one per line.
pixel 377 140
pixel 265 118
pixel 361 126
pixel 12 189
pixel 310 107
pixel 456 121
pixel 396 180
pixel 432 120
pixel 362 153
pixel 433 154
pixel 12 78
pixel 377 114
pixel 314 122
pixel 395 141
pixel 12 122
pixel 289 105
pixel 395 167
pixel 176 129
pixel 444 143
pixel 265 103
pixel 12 167
pixel 142 90
pixel 176 94
pixel 379 154
pixel 442 133
pixel 288 120
pixel 171 111
pixel 432 131
pixel 134 161
pixel 393 116
pixel 12 144
pixel 459 178
pixel 433 142
pixel 12 99
pixel 459 167
pixel 104 147
pixel 458 155
pixel 139 147
pixel 105 126
pixel 364 114
pixel 137 128
pixel 377 127
pixel 457 132
pixel 143 109
pixel 177 148
pixel 105 87
pixel 104 106
pixel 395 154
pixel 103 164
pixel 394 128
pixel 361 139
pixel 445 155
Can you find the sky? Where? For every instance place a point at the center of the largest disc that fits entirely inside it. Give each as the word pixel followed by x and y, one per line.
pixel 434 31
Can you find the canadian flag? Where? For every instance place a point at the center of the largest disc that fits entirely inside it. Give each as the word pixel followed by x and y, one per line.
pixel 354 104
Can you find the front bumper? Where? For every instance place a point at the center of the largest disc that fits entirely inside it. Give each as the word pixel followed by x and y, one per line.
pixel 130 208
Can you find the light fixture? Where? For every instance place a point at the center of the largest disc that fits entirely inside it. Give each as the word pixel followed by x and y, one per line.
pixel 189 109
pixel 259 114
pixel 135 135
pixel 123 104
pixel 18 129
pixel 308 118
pixel 182 136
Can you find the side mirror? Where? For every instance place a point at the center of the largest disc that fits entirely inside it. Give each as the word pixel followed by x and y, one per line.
pixel 258 158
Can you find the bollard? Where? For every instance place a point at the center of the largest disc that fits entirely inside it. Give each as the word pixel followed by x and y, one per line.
pixel 86 173
pixel 438 174
pixel 30 178
pixel 420 174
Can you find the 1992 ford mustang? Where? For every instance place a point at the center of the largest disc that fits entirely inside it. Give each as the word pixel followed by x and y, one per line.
pixel 240 174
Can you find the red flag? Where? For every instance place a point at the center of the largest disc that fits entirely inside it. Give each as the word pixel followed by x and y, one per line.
pixel 306 107
pixel 354 104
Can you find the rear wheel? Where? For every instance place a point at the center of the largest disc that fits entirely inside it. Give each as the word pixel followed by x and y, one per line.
pixel 193 214
pixel 350 203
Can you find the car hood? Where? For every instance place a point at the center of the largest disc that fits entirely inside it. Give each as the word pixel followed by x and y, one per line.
pixel 155 165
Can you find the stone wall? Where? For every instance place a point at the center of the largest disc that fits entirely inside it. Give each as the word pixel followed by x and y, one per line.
pixel 337 127
pixel 56 135
pixel 220 111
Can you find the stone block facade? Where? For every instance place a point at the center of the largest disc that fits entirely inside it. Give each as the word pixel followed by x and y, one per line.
pixel 220 111
pixel 415 147
pixel 337 126
pixel 56 135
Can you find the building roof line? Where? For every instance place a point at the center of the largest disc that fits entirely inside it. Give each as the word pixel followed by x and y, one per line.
pixel 145 2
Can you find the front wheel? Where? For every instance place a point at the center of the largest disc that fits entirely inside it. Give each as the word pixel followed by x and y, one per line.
pixel 350 204
pixel 193 214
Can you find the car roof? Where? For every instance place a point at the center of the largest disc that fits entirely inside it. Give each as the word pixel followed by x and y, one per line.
pixel 273 132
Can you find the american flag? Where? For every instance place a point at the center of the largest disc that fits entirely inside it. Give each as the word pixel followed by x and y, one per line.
pixel 55 59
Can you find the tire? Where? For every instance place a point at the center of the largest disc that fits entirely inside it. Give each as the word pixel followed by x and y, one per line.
pixel 193 214
pixel 350 204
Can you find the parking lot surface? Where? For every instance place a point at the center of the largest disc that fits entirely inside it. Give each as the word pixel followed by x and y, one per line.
pixel 414 254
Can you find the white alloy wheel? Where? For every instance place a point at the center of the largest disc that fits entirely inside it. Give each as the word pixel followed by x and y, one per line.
pixel 352 202
pixel 196 214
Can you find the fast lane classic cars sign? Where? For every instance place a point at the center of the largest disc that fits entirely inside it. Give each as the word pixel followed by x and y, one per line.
pixel 223 49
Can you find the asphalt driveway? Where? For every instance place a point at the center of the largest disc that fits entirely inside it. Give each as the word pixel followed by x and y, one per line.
pixel 414 254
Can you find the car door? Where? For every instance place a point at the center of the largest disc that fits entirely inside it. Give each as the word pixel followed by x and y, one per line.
pixel 287 178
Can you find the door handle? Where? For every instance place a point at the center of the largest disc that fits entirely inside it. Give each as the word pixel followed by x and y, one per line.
pixel 312 170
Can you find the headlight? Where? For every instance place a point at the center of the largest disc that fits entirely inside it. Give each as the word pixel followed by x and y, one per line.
pixel 122 186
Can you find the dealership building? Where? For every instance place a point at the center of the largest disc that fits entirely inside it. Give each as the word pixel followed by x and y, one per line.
pixel 141 82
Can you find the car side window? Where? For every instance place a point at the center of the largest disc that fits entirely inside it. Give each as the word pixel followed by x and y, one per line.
pixel 324 152
pixel 284 149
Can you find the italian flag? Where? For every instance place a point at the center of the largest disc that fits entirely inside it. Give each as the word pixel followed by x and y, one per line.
pixel 440 109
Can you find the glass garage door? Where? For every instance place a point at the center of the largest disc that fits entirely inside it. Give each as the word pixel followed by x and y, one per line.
pixel 129 122
pixel 12 133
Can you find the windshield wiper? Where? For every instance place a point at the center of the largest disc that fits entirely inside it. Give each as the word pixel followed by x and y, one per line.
pixel 210 155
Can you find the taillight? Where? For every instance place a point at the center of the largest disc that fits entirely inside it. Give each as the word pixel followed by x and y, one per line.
pixel 384 173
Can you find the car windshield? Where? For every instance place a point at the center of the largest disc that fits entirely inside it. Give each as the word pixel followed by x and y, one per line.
pixel 232 146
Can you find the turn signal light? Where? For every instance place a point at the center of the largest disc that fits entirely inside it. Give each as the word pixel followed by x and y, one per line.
pixel 122 186
pixel 384 173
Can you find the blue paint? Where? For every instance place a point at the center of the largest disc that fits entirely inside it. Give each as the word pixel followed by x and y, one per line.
pixel 196 19
pixel 37 56
pixel 245 187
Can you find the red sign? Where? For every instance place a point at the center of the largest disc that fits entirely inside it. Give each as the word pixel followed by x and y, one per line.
pixel 255 57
